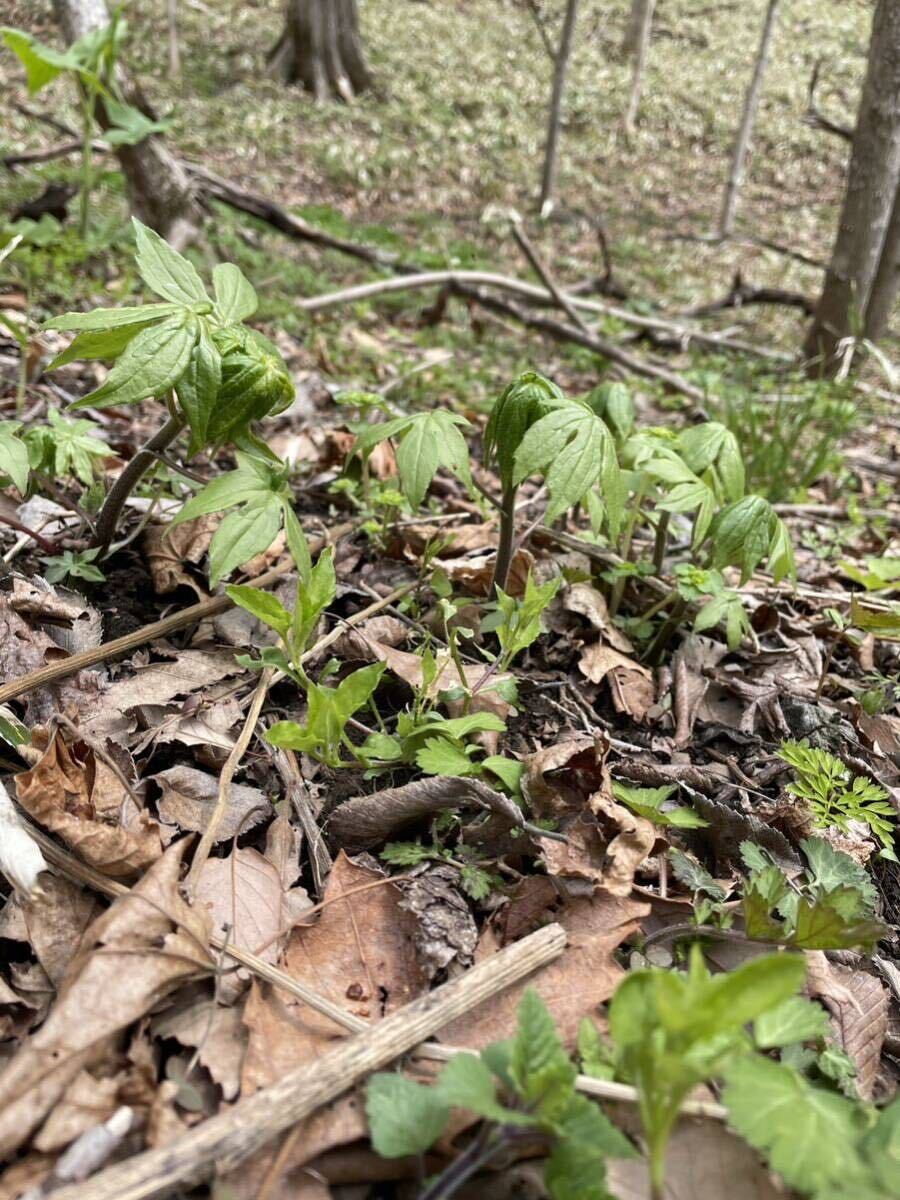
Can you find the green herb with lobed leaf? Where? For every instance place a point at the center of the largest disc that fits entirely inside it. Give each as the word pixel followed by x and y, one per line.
pixel 519 1087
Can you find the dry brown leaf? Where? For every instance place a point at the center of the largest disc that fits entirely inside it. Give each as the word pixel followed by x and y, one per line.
pixel 22 650
pixel 606 841
pixel 156 683
pixel 244 894
pixel 211 725
pixel 143 946
pixel 462 539
pixel 590 603
pixel 283 842
pixel 189 797
pixel 68 619
pixel 858 1003
pixel 475 575
pixel 387 631
pixel 630 683
pixel 87 805
pixel 704 1161
pixel 218 1034
pixel 87 1101
pixel 167 549
pixel 572 986
pixel 367 821
pixel 361 955
pixel 56 923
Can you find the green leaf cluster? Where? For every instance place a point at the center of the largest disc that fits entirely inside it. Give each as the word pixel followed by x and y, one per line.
pixel 835 796
pixel 190 345
pixel 517 622
pixel 426 441
pixel 829 907
pixel 648 803
pixel 528 1081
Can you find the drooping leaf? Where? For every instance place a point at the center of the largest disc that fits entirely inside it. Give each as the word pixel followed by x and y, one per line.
pixel 523 402
pixel 149 366
pixel 572 448
pixel 242 535
pixel 164 270
pixel 198 386
pixel 262 605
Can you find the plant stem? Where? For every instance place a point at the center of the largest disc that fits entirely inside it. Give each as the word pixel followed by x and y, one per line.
pixel 659 545
pixel 619 586
pixel 664 636
pixel 87 151
pixel 660 604
pixel 108 518
pixel 45 544
pixel 507 539
pixel 478 1152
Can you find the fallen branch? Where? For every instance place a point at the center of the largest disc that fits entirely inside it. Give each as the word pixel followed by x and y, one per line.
pixel 816 119
pixel 742 294
pixel 221 1143
pixel 148 633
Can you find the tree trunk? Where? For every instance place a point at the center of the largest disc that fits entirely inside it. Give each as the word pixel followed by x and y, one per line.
pixel 321 49
pixel 886 284
pixel 560 69
pixel 159 191
pixel 631 38
pixel 642 49
pixel 751 104
pixel 863 244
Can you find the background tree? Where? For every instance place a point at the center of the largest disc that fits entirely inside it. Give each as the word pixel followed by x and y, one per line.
pixel 745 133
pixel 560 69
pixel 642 19
pixel 321 49
pixel 159 191
pixel 865 249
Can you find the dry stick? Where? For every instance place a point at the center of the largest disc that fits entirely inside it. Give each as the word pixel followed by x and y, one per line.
pixel 148 633
pixel 224 1141
pixel 74 869
pixel 543 273
pixel 560 69
pixel 238 750
pixel 751 103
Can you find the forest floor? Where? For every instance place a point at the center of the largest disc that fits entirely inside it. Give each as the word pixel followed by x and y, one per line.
pixel 121 760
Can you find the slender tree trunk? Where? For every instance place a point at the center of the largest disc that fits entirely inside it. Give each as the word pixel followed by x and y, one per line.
pixel 631 38
pixel 321 49
pixel 159 191
pixel 560 70
pixel 872 180
pixel 641 53
pixel 886 284
pixel 745 133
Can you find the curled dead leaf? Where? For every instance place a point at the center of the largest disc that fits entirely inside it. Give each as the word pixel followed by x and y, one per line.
pixel 630 684
pixel 189 797
pixel 88 806
pixel 590 603
pixel 168 549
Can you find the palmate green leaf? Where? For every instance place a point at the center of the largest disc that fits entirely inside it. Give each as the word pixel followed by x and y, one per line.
pixel 829 868
pixel 572 448
pixel 833 922
pixel 97 343
pixel 242 535
pixel 251 483
pixel 198 386
pixel 164 270
pixel 795 1020
pixel 745 532
pixel 235 296
pixel 695 877
pixel 13 455
pixel 111 318
pixel 150 365
pixel 404 1117
pixel 71 446
pixel 713 447
pixel 431 440
pixel 808 1135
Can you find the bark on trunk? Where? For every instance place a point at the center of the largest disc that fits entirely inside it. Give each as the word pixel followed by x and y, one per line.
pixel 159 191
pixel 321 49
pixel 872 180
pixel 560 69
pixel 745 133
pixel 886 284
pixel 642 49
pixel 631 38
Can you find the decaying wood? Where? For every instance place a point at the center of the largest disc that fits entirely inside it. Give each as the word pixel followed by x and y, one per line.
pixel 742 294
pixel 224 1141
pixel 107 651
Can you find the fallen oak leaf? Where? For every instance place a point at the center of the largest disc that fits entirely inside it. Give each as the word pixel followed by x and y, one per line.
pixel 87 805
pixel 146 944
